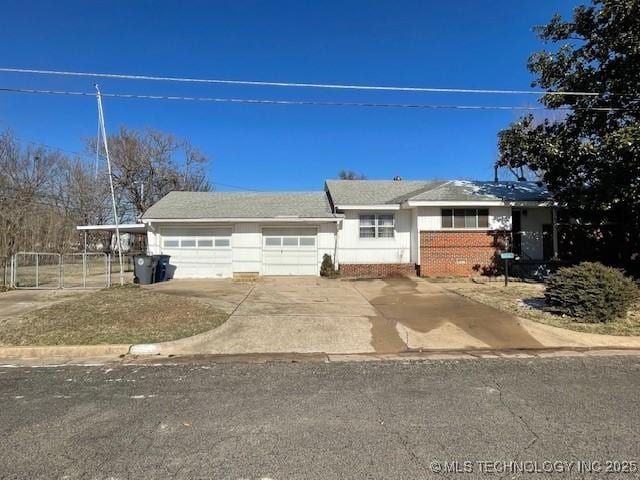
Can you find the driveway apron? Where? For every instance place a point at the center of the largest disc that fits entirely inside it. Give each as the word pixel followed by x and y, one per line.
pixel 418 312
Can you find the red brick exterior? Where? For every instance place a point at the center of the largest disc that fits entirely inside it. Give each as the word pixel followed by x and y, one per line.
pixel 377 270
pixel 459 253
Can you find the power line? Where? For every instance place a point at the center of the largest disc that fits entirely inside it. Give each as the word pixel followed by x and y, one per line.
pixel 51 147
pixel 123 76
pixel 42 204
pixel 236 187
pixel 60 198
pixel 308 102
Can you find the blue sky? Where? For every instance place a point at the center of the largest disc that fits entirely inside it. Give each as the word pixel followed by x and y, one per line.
pixel 464 44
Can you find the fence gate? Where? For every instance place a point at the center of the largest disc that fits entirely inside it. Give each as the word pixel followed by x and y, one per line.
pixel 85 270
pixel 37 270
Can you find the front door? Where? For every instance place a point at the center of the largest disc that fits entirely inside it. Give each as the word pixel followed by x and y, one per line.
pixel 516 231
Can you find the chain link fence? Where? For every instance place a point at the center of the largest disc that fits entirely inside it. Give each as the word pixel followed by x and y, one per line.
pixel 37 270
pixel 70 270
pixel 85 270
pixel 127 264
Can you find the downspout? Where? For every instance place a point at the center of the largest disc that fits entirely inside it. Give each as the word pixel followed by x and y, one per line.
pixel 335 244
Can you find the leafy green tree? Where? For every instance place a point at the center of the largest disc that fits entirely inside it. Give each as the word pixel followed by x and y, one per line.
pixel 590 155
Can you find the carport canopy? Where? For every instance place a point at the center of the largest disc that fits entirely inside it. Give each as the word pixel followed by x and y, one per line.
pixel 140 228
pixel 123 227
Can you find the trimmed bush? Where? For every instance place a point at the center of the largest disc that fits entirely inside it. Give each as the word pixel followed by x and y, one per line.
pixel 591 292
pixel 327 268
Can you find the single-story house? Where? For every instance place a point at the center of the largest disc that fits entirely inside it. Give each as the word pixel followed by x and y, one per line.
pixel 368 227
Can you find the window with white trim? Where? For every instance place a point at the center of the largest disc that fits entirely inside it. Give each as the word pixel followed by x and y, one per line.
pixel 289 241
pixel 465 218
pixel 377 226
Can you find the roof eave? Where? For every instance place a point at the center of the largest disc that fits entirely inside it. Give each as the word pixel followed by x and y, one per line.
pixel 282 219
pixel 377 206
pixel 487 203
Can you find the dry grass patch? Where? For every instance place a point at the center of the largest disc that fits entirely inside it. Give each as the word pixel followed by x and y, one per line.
pixel 527 301
pixel 114 315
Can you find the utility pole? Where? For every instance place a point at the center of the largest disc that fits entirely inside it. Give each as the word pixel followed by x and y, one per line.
pixel 113 194
pixel 98 144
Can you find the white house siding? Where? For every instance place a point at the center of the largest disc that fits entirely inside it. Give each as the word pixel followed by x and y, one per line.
pixel 532 222
pixel 353 249
pixel 153 242
pixel 326 241
pixel 246 241
pixel 415 237
pixel 246 245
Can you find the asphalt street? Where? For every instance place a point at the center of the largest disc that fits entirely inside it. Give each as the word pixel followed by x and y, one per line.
pixel 496 418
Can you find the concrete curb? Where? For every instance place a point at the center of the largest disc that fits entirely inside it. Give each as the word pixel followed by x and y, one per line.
pixel 64 351
pixel 403 357
pixel 79 355
pixel 146 349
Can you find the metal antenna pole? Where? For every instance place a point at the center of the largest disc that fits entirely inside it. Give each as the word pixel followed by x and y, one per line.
pixel 113 194
pixel 98 144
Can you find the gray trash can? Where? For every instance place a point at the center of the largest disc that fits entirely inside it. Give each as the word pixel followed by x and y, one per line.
pixel 144 269
pixel 162 268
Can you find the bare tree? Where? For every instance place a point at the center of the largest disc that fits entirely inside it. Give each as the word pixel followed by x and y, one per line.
pixel 149 164
pixel 351 175
pixel 45 194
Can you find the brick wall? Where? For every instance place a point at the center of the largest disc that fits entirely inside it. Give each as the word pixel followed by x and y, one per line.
pixel 377 270
pixel 245 276
pixel 459 253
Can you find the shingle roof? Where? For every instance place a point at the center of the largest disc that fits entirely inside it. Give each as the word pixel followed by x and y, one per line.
pixel 376 192
pixel 464 190
pixel 380 192
pixel 192 205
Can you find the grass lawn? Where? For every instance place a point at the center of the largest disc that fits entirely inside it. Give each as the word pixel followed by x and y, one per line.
pixel 527 300
pixel 114 315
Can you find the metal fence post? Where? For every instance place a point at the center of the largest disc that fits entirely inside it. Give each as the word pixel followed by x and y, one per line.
pixel 108 269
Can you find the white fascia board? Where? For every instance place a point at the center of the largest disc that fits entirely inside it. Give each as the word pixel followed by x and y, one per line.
pixel 123 227
pixel 369 207
pixel 477 203
pixel 244 220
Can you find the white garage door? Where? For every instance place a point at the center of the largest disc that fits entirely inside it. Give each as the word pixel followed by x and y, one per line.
pixel 199 253
pixel 290 251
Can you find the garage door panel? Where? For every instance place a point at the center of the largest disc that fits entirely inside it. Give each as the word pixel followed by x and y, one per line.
pixel 196 232
pixel 274 231
pixel 200 265
pixel 289 251
pixel 199 252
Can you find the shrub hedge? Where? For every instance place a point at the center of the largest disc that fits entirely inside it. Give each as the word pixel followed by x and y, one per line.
pixel 591 292
pixel 327 268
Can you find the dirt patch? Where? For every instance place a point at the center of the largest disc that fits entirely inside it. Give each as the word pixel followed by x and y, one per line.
pixel 109 316
pixel 527 301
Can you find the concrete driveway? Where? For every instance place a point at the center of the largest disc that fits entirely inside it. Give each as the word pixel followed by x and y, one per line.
pixel 308 315
pixel 17 302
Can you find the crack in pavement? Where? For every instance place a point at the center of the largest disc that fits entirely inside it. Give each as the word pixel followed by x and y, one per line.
pixel 402 440
pixel 521 421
